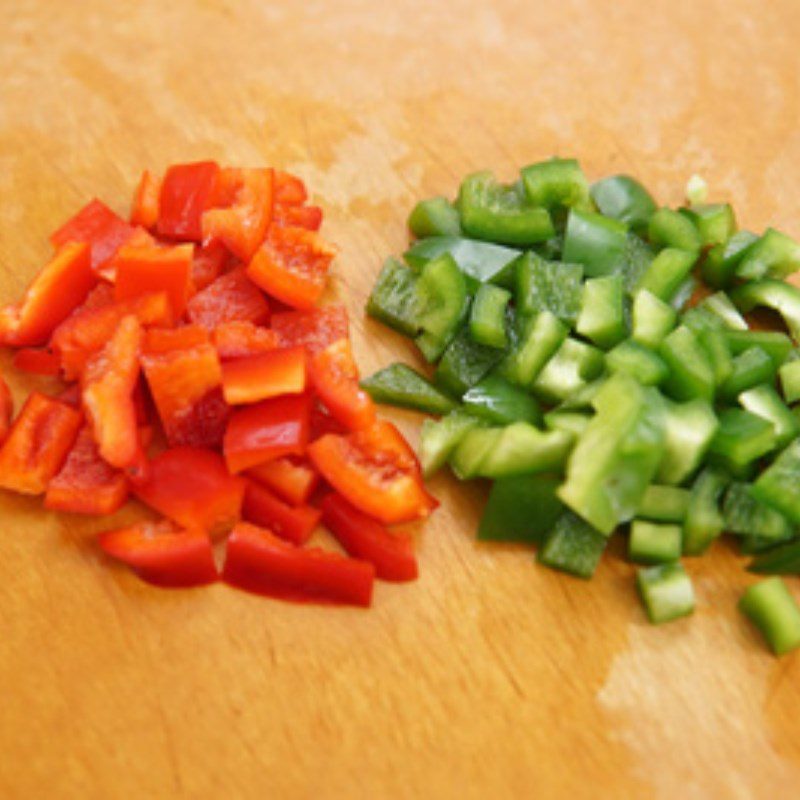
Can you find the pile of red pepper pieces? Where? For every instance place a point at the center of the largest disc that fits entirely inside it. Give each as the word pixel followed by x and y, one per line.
pixel 203 378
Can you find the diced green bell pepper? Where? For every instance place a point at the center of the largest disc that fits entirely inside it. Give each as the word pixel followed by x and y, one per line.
pixel 573 546
pixel 746 516
pixel 750 368
pixel 597 242
pixel 654 543
pixel 548 286
pixel 487 321
pixel 783 559
pixel 775 344
pixel 573 422
pixel 777 484
pixel 653 319
pixel 789 375
pixel 666 592
pixel 541 337
pixel 439 438
pixel 399 385
pixel 662 503
pixel 602 314
pixel 435 216
pixel 715 222
pixel 688 430
pixel 635 262
pixel 719 355
pixel 499 402
pixel 691 372
pixel 720 305
pixel 771 608
pixel 393 299
pixel 637 361
pixel 764 401
pixel 624 198
pixel 719 266
pixel 556 183
pixel 778 295
pixel 668 228
pixel 573 365
pixel 774 255
pixel 740 439
pixel 464 363
pixel 667 272
pixel 704 521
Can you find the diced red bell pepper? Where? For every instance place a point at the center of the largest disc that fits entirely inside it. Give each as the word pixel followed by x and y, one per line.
pixel 292 266
pixel 289 189
pixel 88 329
pixel 375 471
pixel 241 339
pixel 267 430
pixel 308 217
pixel 71 395
pixel 192 487
pixel 52 296
pixel 101 295
pixel 163 554
pixel 315 329
pixel 292 480
pixel 144 269
pixel 108 383
pixel 146 201
pixel 242 224
pixel 86 484
pixel 230 297
pixel 362 537
pixel 183 372
pixel 293 523
pixel 6 410
pixel 277 372
pixel 37 444
pixel 186 192
pixel 37 361
pixel 334 376
pixel 258 561
pixel 99 227
pixel 321 423
pixel 208 263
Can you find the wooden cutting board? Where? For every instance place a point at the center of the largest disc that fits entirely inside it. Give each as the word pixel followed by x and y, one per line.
pixel 491 677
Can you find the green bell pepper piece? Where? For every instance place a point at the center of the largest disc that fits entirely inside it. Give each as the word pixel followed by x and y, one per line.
pixel 719 355
pixel 668 228
pixel 464 363
pixel 715 222
pixel 556 183
pixel 636 260
pixel 666 592
pixel 704 521
pixel 399 385
pixel 637 361
pixel 602 314
pixel 653 319
pixel 573 366
pixel 487 321
pixel 435 216
pixel 789 375
pixel 573 422
pixel 778 295
pixel 750 368
pixel 573 546
pixel 500 403
pixel 654 543
pixel 597 242
pixel 774 255
pixel 764 401
pixel 746 516
pixel 776 345
pixel 777 484
pixel 755 545
pixel 740 439
pixel 439 438
pixel 688 431
pixel 393 299
pixel 771 608
pixel 542 336
pixel 548 286
pixel 624 198
pixel 719 266
pixel 662 503
pixel 720 305
pixel 782 559
pixel 667 272
pixel 691 371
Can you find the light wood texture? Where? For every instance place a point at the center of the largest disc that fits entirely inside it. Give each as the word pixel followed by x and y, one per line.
pixel 490 677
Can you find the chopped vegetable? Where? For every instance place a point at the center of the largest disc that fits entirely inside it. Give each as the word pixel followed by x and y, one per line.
pixel 666 592
pixel 771 608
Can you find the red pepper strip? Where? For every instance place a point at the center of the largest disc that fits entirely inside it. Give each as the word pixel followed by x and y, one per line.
pixel 107 384
pixel 308 217
pixel 146 201
pixel 150 268
pixel 99 227
pixel 334 376
pixel 267 430
pixel 295 524
pixel 88 329
pixel 362 537
pixel 278 372
pixel 292 266
pixel 240 339
pixel 37 361
pixel 374 472
pixel 258 561
pixel 289 189
pixel 37 444
pixel 208 263
pixel 191 486
pixel 86 484
pixel 101 295
pixel 71 396
pixel 52 296
pixel 321 422
pixel 183 372
pixel 292 480
pixel 6 410
pixel 315 329
pixel 186 192
pixel 242 225
pixel 163 554
pixel 230 297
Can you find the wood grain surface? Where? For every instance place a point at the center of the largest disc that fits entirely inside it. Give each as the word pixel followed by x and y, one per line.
pixel 491 677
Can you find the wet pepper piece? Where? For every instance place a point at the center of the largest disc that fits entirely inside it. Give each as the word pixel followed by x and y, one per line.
pixel 240 339
pixel 289 189
pixel 263 508
pixel 315 329
pixel 376 471
pixel 99 227
pixel 146 201
pixel 242 222
pixel 162 553
pixel 392 554
pixel 191 486
pixel 231 297
pixel 208 263
pixel 37 444
pixel 186 192
pixel 277 372
pixel 258 561
pixel 291 479
pixel 37 361
pixel 86 483
pixel 334 376
pixel 267 430
pixel 287 216
pixel 52 296
pixel 292 266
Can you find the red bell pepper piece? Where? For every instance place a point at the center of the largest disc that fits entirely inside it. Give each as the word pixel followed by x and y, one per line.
pixel 292 266
pixel 315 329
pixel 308 217
pixel 37 444
pixel 192 487
pixel 362 537
pixel 277 372
pixel 334 376
pixel 242 223
pixel 89 328
pixel 293 523
pixel 258 561
pixel 376 471
pixel 208 263
pixel 267 430
pixel 289 189
pixel 37 361
pixel 230 297
pixel 108 384
pixel 6 410
pixel 186 192
pixel 150 268
pixel 101 295
pixel 146 201
pixel 321 422
pixel 162 553
pixel 52 296
pixel 240 339
pixel 183 372
pixel 99 227
pixel 86 484
pixel 292 480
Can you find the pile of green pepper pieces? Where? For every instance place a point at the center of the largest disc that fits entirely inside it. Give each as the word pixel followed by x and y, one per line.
pixel 594 359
